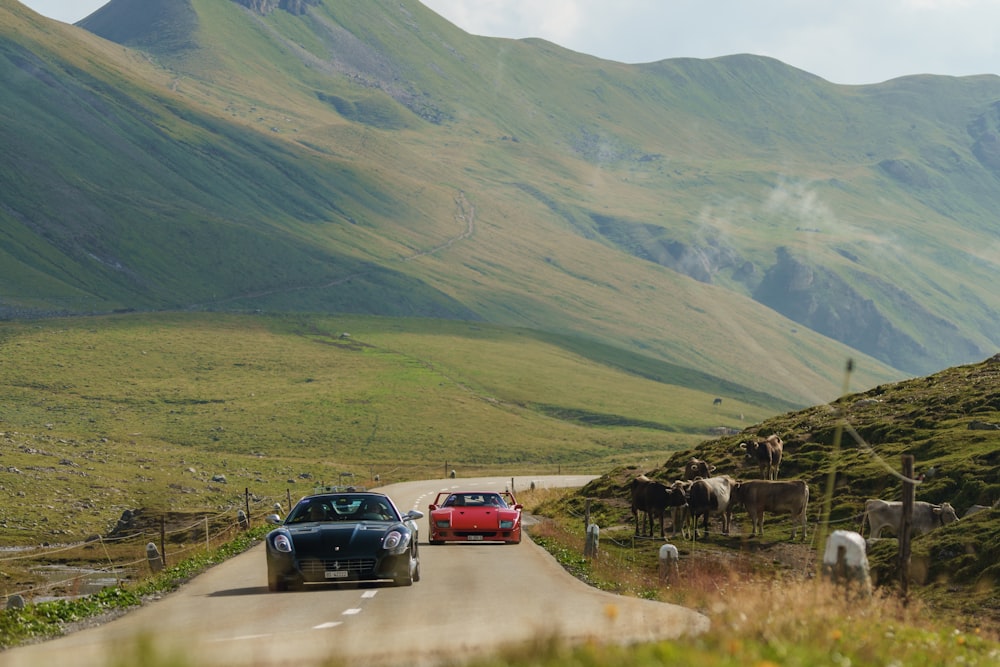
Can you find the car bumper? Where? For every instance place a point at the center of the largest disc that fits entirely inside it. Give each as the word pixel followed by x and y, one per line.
pixel 478 535
pixel 297 571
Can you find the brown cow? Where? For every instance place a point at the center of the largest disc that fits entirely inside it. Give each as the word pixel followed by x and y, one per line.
pixel 653 498
pixel 766 454
pixel 697 468
pixel 764 495
pixel 680 512
pixel 711 495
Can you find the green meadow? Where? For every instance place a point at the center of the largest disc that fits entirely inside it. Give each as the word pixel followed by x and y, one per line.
pixel 142 410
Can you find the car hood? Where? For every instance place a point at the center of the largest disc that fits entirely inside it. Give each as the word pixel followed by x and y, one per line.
pixel 329 537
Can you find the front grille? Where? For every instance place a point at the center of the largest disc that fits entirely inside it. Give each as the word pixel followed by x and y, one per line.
pixel 317 567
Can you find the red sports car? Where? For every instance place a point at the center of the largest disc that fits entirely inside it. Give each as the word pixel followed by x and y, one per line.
pixel 475 516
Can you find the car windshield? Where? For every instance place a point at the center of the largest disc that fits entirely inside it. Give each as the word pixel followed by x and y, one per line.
pixel 475 500
pixel 343 507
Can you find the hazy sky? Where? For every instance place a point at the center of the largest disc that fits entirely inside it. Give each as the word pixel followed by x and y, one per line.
pixel 845 41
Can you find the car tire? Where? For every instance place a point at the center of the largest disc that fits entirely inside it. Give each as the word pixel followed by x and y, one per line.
pixel 416 572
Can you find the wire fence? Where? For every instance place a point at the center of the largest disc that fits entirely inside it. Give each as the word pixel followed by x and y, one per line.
pixel 74 569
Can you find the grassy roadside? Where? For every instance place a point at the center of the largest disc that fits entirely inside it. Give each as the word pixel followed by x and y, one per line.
pixel 46 620
pixel 761 613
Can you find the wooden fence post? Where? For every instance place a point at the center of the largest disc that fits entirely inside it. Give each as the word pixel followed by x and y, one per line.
pixel 163 539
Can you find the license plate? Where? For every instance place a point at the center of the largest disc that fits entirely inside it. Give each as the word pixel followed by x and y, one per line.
pixel 336 574
pixel 475 538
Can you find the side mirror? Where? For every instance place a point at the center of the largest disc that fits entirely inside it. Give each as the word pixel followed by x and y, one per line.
pixel 274 518
pixel 432 507
pixel 519 506
pixel 413 515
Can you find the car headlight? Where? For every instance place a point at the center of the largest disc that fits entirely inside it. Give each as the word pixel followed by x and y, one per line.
pixel 396 542
pixel 506 524
pixel 443 523
pixel 282 543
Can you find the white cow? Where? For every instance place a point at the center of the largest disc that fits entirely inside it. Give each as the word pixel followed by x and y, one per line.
pixel 708 496
pixel 889 514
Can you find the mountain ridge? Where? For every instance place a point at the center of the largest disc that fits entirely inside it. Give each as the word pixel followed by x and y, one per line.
pixel 349 132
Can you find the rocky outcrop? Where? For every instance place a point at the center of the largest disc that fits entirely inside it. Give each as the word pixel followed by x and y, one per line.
pixel 268 6
pixel 985 132
pixel 825 302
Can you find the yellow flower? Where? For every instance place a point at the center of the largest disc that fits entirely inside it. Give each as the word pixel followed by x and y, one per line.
pixel 835 634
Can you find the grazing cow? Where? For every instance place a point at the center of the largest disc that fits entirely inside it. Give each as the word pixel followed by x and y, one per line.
pixel 764 495
pixel 653 498
pixel 711 495
pixel 889 514
pixel 766 454
pixel 697 468
pixel 975 509
pixel 717 401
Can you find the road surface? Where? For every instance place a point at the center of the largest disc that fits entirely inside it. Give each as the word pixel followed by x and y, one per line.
pixel 472 600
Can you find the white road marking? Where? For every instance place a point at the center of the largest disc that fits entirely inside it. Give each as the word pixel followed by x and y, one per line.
pixel 239 639
pixel 368 594
pixel 326 626
pixel 351 612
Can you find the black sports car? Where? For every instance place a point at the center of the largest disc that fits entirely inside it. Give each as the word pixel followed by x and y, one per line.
pixel 336 537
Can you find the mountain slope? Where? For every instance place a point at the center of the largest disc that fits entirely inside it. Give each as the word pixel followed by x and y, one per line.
pixel 371 157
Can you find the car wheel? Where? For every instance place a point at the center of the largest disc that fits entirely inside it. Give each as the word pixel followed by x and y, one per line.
pixel 416 572
pixel 408 577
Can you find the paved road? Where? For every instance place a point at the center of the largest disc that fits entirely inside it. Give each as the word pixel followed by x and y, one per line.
pixel 472 599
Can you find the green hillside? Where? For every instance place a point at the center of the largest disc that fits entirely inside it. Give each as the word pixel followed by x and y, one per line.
pixel 735 217
pixel 92 406
pixel 949 422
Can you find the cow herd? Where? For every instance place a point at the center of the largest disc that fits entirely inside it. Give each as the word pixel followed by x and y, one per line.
pixel 701 493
